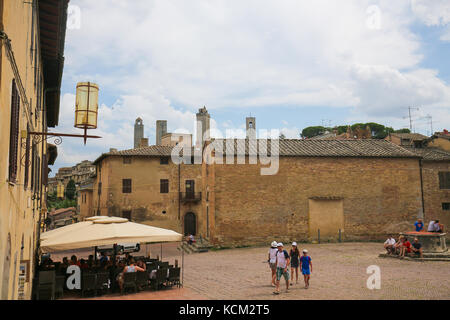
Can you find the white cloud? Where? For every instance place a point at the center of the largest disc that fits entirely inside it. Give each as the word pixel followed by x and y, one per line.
pixel 163 59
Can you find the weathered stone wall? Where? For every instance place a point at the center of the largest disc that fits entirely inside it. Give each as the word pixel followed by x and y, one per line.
pixel 379 196
pixel 146 203
pixel 433 196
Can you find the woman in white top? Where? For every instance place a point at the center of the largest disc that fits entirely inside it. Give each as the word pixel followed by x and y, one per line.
pixel 272 261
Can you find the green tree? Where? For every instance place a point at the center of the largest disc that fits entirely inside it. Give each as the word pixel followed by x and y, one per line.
pixel 71 190
pixel 402 131
pixel 310 132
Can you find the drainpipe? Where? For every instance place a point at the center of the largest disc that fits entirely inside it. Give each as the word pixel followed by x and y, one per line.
pixel 421 188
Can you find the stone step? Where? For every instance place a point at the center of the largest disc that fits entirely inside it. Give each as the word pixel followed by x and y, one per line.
pixel 435 257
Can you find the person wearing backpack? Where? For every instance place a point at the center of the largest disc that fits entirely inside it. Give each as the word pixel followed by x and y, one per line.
pixel 282 262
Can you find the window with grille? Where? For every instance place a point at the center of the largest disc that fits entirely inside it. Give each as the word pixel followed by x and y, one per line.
pixel 444 180
pixel 446 206
pixel 164 160
pixel 164 186
pixel 14 133
pixel 126 185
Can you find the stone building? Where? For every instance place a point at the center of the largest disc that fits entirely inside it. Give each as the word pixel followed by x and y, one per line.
pixel 414 140
pixel 435 171
pixel 440 140
pixel 80 173
pixel 32 37
pixel 360 189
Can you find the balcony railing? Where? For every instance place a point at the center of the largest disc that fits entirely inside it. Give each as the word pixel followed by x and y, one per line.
pixel 190 196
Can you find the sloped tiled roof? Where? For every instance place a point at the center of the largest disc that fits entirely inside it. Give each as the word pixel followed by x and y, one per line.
pixel 150 151
pixel 324 148
pixel 289 148
pixel 410 136
pixel 431 154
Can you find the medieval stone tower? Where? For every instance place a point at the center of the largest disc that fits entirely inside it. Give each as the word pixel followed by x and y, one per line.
pixel 203 121
pixel 138 132
pixel 250 126
pixel 161 129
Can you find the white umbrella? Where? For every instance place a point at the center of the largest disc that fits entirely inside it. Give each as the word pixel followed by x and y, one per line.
pixel 103 231
pixel 71 227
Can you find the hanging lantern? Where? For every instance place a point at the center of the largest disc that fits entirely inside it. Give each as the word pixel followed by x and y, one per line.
pixel 86 106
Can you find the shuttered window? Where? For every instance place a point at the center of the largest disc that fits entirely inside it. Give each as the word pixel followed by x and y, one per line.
pixel 27 160
pixel 14 133
pixel 164 186
pixel 126 185
pixel 444 180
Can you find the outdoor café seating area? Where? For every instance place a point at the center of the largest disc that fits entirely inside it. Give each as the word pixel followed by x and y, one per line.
pixel 100 278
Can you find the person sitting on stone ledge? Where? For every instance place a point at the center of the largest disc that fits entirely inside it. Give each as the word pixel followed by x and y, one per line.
pixel 389 245
pixel 405 247
pixel 435 226
pixel 398 245
pixel 417 248
pixel 419 225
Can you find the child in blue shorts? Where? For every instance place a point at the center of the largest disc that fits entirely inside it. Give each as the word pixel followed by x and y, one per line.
pixel 305 260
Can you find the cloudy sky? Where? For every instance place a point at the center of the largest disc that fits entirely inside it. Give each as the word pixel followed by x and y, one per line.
pixel 289 63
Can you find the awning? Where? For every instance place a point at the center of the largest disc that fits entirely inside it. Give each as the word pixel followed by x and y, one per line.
pixel 100 231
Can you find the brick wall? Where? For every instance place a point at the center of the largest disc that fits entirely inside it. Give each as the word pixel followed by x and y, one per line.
pixel 379 196
pixel 433 196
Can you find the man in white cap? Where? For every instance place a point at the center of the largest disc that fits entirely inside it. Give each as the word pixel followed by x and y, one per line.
pixel 305 260
pixel 282 262
pixel 272 261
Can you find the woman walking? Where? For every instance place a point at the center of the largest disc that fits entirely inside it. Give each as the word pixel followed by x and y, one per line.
pixel 295 255
pixel 272 261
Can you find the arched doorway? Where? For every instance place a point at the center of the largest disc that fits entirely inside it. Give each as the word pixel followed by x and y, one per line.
pixel 6 267
pixel 190 224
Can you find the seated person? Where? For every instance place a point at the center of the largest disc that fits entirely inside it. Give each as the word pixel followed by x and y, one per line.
pixel 74 261
pixel 419 225
pixel 389 245
pixel 91 261
pixel 129 268
pixel 435 226
pixel 405 247
pixel 417 248
pixel 103 258
pixel 398 245
pixel 84 264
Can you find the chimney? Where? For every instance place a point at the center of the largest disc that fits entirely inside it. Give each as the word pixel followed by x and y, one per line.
pixel 143 143
pixel 112 150
pixel 250 125
pixel 161 129
pixel 203 122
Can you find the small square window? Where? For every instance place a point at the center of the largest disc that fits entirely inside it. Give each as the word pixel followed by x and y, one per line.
pixel 164 160
pixel 127 160
pixel 446 206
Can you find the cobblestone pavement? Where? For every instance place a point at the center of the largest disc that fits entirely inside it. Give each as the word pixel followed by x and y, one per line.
pixel 339 272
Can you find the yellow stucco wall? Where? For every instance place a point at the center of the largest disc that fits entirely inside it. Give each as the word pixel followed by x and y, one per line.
pixel 19 214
